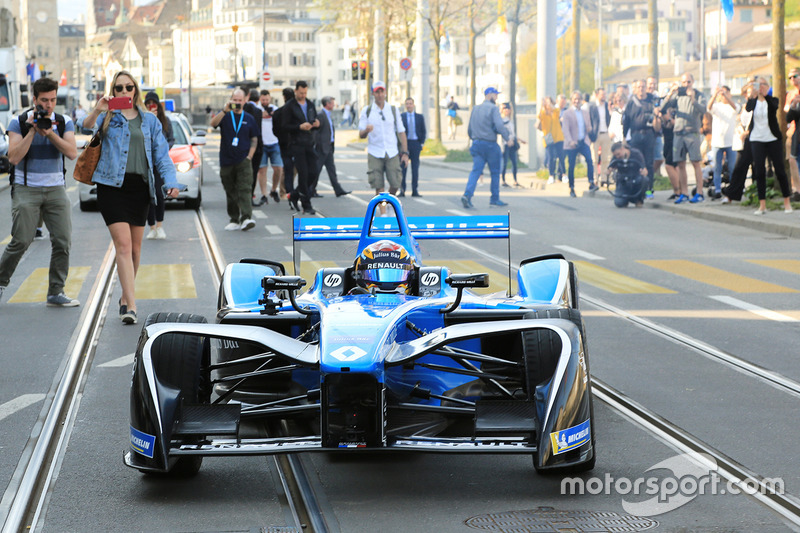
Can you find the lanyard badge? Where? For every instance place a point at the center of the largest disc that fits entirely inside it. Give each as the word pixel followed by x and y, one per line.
pixel 236 127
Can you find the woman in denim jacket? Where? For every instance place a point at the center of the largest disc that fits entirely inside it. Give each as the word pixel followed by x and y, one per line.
pixel 133 146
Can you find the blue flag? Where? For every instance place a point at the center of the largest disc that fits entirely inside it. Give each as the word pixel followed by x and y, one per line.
pixel 563 17
pixel 727 7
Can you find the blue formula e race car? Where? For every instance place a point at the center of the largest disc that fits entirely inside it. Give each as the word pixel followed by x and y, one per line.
pixel 385 354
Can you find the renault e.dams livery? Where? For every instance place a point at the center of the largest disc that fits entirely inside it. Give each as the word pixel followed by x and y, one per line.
pixel 386 354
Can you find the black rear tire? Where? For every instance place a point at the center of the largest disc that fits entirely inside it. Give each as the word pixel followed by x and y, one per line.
pixel 182 361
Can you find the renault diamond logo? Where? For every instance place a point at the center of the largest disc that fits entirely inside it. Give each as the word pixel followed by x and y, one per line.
pixel 348 353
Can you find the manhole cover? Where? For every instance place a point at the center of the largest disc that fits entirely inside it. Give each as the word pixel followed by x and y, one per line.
pixel 549 520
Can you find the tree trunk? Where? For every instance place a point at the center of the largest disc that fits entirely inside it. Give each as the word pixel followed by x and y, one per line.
pixel 779 58
pixel 436 88
pixel 409 50
pixel 576 48
pixel 652 26
pixel 473 62
pixel 512 83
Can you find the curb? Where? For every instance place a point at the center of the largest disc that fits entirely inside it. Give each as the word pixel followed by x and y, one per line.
pixel 741 217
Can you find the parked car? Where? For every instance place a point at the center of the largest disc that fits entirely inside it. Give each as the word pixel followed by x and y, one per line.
pixel 186 154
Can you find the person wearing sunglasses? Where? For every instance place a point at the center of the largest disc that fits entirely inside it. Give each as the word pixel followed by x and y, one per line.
pixel 133 147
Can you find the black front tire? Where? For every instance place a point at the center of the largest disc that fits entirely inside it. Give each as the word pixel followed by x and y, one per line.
pixel 182 361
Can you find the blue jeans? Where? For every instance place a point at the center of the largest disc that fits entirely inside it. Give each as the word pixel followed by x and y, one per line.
pixel 484 152
pixel 572 154
pixel 555 152
pixel 731 157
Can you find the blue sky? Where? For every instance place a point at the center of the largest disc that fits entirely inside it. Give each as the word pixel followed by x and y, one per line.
pixel 71 9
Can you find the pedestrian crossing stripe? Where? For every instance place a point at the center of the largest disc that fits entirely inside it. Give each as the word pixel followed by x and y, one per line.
pixel 34 288
pixel 163 282
pixel 613 282
pixel 787 265
pixel 715 276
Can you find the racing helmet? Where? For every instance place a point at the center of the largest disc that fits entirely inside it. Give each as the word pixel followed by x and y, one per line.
pixel 384 266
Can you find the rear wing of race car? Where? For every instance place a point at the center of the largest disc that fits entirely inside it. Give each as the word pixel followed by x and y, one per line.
pixel 399 229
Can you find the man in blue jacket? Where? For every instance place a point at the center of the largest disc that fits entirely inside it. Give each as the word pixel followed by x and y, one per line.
pixel 415 134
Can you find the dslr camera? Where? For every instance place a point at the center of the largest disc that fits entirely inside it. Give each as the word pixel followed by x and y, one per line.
pixel 42 118
pixel 681 91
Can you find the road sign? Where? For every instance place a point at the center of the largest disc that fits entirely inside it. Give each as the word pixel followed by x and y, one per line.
pixel 362 52
pixel 405 63
pixel 265 80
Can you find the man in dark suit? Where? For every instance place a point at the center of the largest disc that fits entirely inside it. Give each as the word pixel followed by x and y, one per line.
pixel 299 121
pixel 415 133
pixel 325 138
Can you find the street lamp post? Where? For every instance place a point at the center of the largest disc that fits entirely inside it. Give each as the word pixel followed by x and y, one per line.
pixel 235 55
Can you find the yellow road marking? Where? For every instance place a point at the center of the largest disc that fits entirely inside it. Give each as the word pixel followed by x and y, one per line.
pixel 5 241
pixel 613 282
pixel 34 288
pixel 715 276
pixel 161 282
pixel 788 265
pixel 725 314
pixel 308 269
pixel 497 281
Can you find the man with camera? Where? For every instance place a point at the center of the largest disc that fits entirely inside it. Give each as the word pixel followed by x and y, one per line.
pixel 642 120
pixel 38 142
pixel 628 163
pixel 239 141
pixel 687 138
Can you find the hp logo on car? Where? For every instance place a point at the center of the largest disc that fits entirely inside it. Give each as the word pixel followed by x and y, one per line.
pixel 429 278
pixel 333 280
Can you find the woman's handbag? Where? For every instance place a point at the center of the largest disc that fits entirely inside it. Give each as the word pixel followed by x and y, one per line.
pixel 87 161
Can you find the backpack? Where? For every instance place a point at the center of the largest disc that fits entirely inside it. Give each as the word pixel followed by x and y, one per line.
pixel 61 126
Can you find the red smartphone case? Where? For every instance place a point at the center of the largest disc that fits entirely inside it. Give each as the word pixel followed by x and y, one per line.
pixel 120 102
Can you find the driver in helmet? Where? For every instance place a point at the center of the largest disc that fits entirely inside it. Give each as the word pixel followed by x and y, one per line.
pixel 384 266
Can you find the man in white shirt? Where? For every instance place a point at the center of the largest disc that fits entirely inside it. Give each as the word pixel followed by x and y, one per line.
pixel 271 153
pixel 602 143
pixel 723 124
pixel 384 130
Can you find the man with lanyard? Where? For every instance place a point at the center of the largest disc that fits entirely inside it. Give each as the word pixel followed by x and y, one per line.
pixel 326 135
pixel 384 131
pixel 299 120
pixel 485 124
pixel 37 150
pixel 239 140
pixel 414 124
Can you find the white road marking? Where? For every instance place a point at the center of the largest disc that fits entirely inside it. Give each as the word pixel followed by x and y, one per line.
pixel 356 199
pixel 303 255
pixel 351 177
pixel 580 253
pixel 125 360
pixel 756 310
pixel 19 403
pixel 259 214
pixel 458 212
pixel 515 231
pixel 424 202
pixel 275 230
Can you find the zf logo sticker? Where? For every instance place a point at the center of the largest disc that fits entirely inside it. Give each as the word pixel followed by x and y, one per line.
pixel 333 280
pixel 429 278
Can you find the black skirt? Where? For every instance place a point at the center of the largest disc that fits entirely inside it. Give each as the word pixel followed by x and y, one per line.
pixel 128 203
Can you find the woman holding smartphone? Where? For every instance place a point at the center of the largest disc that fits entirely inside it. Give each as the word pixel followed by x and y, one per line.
pixel 133 146
pixel 766 140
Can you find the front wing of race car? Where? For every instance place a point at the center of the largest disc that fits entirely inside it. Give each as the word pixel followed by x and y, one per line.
pixel 173 414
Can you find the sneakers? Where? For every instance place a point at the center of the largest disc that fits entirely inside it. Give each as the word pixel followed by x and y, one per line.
pixel 275 196
pixel 466 202
pixel 715 196
pixel 725 200
pixel 759 212
pixel 648 195
pixel 681 199
pixel 551 180
pixel 160 233
pixel 593 188
pixel 673 196
pixel 572 193
pixel 129 317
pixel 61 300
pixel 248 223
pixel 152 234
pixel 498 203
pixel 260 202
pixel 697 198
pixel 39 235
pixel 233 226
pixel 788 210
pixel 309 211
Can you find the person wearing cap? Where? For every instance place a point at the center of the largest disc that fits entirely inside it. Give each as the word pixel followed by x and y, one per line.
pixel 485 124
pixel 385 132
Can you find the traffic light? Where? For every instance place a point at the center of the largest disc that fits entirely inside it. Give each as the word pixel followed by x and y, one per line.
pixel 354 69
pixel 362 70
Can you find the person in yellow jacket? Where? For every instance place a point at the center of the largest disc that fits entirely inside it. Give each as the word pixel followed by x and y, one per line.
pixel 550 126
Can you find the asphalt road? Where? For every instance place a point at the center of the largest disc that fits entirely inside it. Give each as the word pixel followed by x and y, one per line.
pixel 677 271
